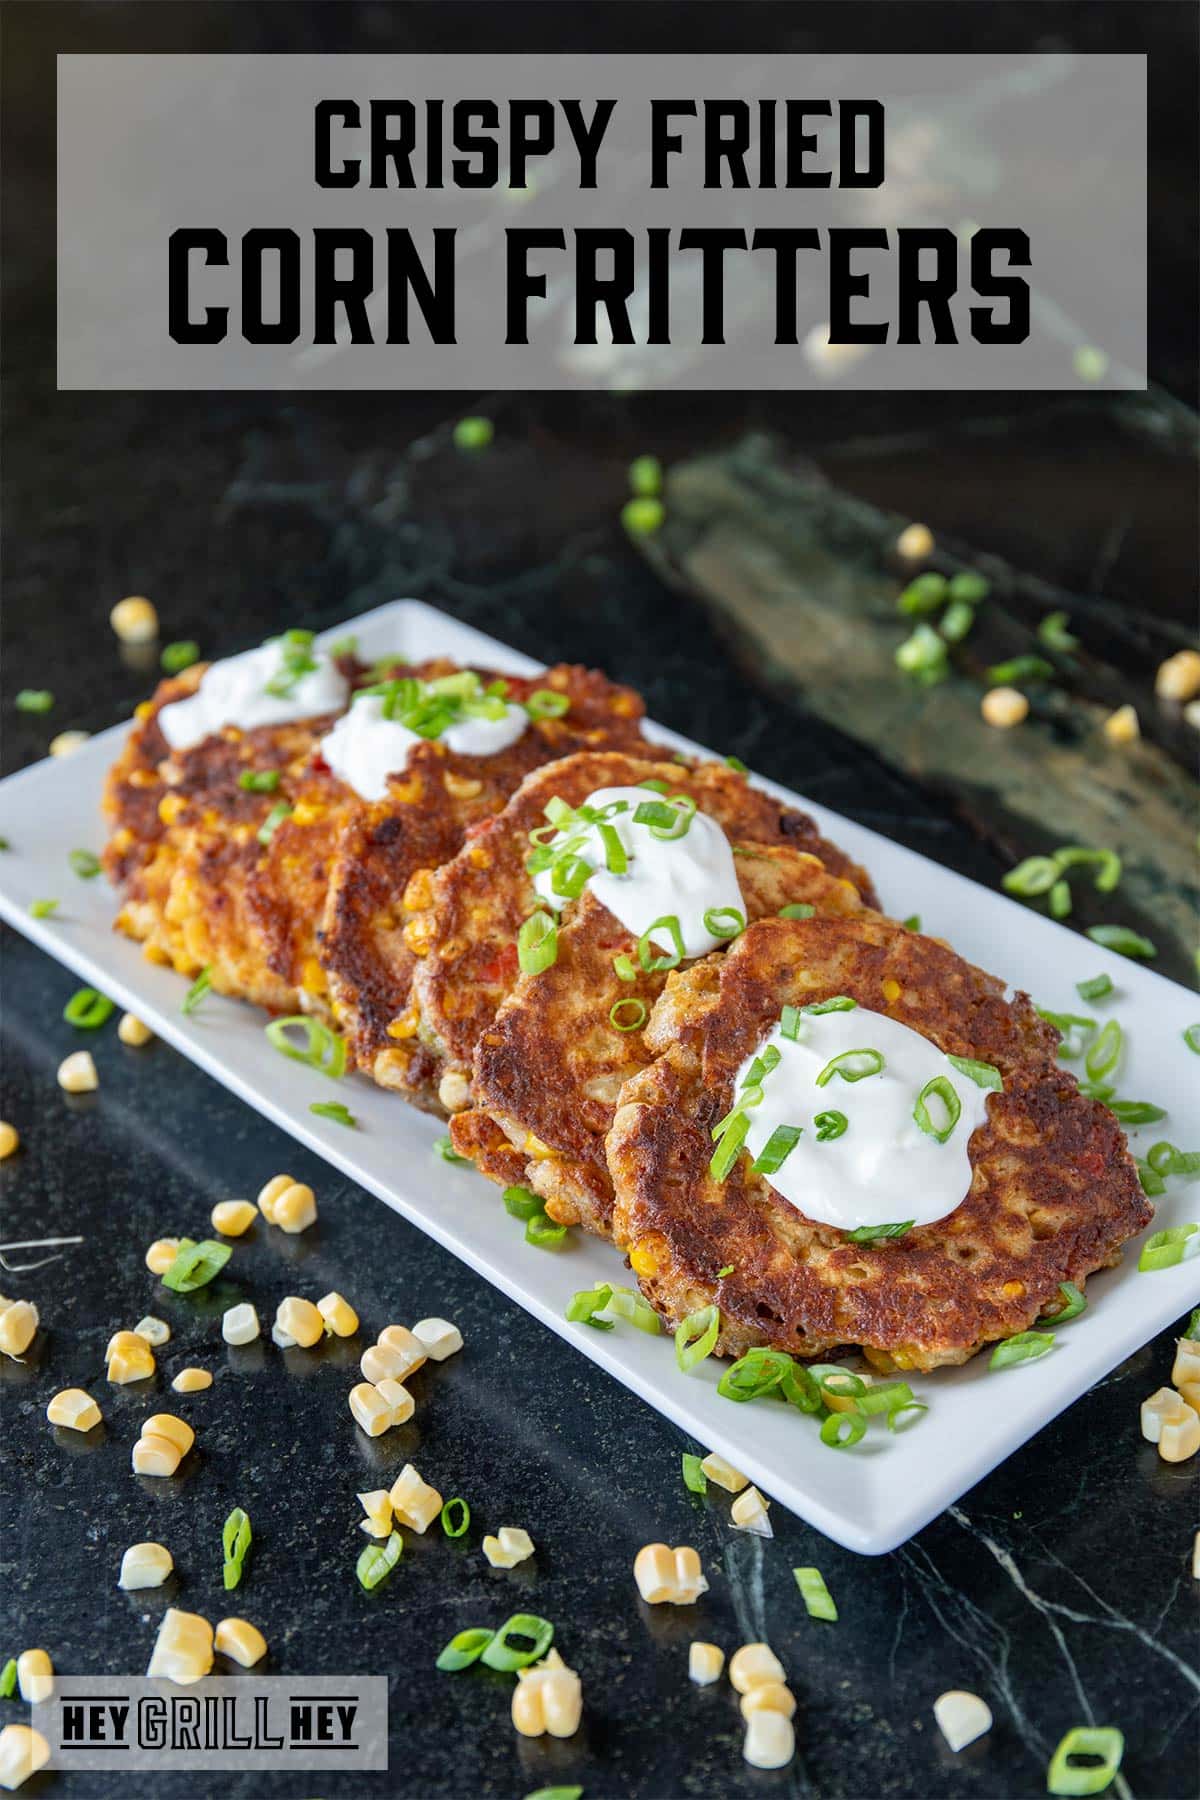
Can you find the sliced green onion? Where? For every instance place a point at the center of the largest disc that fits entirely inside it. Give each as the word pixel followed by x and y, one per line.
pixel 1026 1346
pixel 1054 634
pixel 178 657
pixel 259 781
pixel 655 785
pixel 323 1049
pixel 922 654
pixel 913 922
pixel 344 646
pixel 818 1600
pixel 35 700
pixel 724 922
pixel 730 1147
pixel 445 1149
pixel 756 1373
pixel 830 1125
pixel 8 1679
pixel 727 1270
pixel 88 1009
pixel 235 1541
pixel 1191 1330
pixel 570 876
pixel 1108 864
pixel 84 863
pixel 841 1431
pixel 1165 1159
pixel 537 943
pixel 777 1149
pixel 789 1023
pixel 1018 669
pixel 583 1307
pixel 616 857
pixel 924 594
pixel 800 909
pixel 1097 1090
pixel 956 622
pixel 653 961
pixel 629 1305
pixel 839 1003
pixel 855 1065
pixel 885 1397
pixel 1136 1112
pixel 841 1383
pixel 625 968
pixel 1166 1248
pixel 4 844
pixel 656 813
pixel 1104 1051
pixel 199 988
pixel 519 1203
pixel 378 1561
pixel 272 822
pixel 464 1648
pixel 454 1525
pixel 42 909
pixel 1065 1776
pixel 1122 940
pixel 1073 1305
pixel 1152 1182
pixel 543 1233
pixel 341 1115
pixel 696 1337
pixel 969 585
pixel 628 1014
pixel 1070 1025
pixel 501 1654
pixel 1036 875
pixel 1096 987
pixel 867 1234
pixel 983 1074
pixel 1059 900
pixel 643 516
pixel 694 1478
pixel 1191 1037
pixel 645 476
pixel 898 1412
pixel 473 434
pixel 737 765
pixel 546 703
pixel 195 1265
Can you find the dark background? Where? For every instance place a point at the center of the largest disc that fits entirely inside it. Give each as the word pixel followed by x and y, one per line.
pixel 1060 1589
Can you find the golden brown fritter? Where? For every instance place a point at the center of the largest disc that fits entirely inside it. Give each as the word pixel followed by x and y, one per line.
pixel 1054 1194
pixel 550 1066
pixel 382 871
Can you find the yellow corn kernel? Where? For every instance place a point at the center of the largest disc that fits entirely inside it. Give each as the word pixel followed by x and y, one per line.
pixel 891 990
pixel 312 979
pixel 1121 727
pixel 307 812
pixel 128 1358
pixel 145 1566
pixel 233 1217
pixel 157 1456
pixel 370 1409
pixel 278 1184
pixel 143 709
pixel 161 1255
pixel 478 857
pixel 705 1663
pixel 300 1320
pixel 339 1316
pixel 535 1148
pixel 390 1069
pixel 295 1209
pixel 192 1381
pixel 770 1741
pixel 137 778
pixel 510 1546
pixel 418 935
pixel 125 1340
pixel 134 620
pixel 183 1649
pixel 1179 677
pixel 1186 1366
pixel 67 742
pixel 74 1409
pixel 155 1331
pixel 23 1751
pixel 170 807
pixel 405 1025
pixel 1013 1290
pixel 666 1575
pixel 1004 707
pixel 414 1502
pixel 18 1326
pixel 548 1698
pixel 154 953
pixel 915 543
pixel 406 793
pixel 131 1031
pixel 723 1473
pixel 768 1696
pixel 77 1073
pixel 438 1338
pixel 644 1257
pixel 754 1664
pixel 1163 1407
pixel 461 787
pixel 9 1141
pixel 398 1399
pixel 35 1675
pixel 418 894
pixel 749 1513
pixel 1179 1438
pixel 239 1640
pixel 378 1507
pixel 400 1342
pixel 169 1425
pixel 623 706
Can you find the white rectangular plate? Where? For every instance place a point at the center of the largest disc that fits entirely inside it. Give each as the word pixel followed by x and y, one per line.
pixel 871 1498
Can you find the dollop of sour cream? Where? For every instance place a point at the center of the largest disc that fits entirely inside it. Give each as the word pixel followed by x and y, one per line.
pixel 683 877
pixel 234 692
pixel 364 747
pixel 882 1169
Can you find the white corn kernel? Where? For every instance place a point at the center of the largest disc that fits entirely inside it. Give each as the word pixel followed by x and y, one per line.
pixel 510 1546
pixel 723 1473
pixel 242 1642
pixel 67 742
pixel 378 1363
pixel 399 1341
pixel 23 1751
pixel 1179 677
pixel 414 1502
pixel 961 1717
pixel 339 1316
pixel 281 1338
pixel 770 1741
pixel 454 1090
pixel 548 1698
pixel 438 1338
pixel 754 1664
pixel 300 1320
pixel 378 1507
pixel 295 1209
pixel 145 1566
pixel 157 1456
pixel 18 1326
pixel 155 1331
pixel 233 1217
pixel 183 1649
pixel 666 1575
pixel 134 620
pixel 168 1425
pixel 398 1398
pixel 192 1381
pixel 705 1663
pixel 749 1513
pixel 768 1696
pixel 1121 727
pixel 1163 1406
pixel 1186 1366
pixel 371 1411
pixel 1180 1438
pixel 161 1255
pixel 240 1324
pixel 133 1032
pixel 915 543
pixel 77 1073
pixel 74 1409
pixel 1196 1557
pixel 9 1141
pixel 35 1675
pixel 1004 707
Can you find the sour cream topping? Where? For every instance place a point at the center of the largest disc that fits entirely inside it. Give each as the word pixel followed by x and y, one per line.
pixel 683 877
pixel 883 1168
pixel 235 692
pixel 365 747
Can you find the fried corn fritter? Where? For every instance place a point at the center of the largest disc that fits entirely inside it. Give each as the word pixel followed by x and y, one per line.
pixel 470 913
pixel 383 870
pixel 1054 1190
pixel 550 1066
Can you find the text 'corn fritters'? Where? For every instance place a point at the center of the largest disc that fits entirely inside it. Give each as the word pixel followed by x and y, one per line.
pixel 369 933
pixel 550 1066
pixel 1054 1191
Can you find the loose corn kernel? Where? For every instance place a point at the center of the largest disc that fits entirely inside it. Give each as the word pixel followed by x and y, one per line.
pixel 770 1741
pixel 378 1507
pixel 1196 1557
pixel 145 1566
pixel 169 1425
pixel 644 1257
pixel 278 1184
pixel 398 1398
pixel 9 1141
pixel 461 787
pixel 295 1209
pixel 126 1364
pixel 183 1649
pixel 891 990
pixel 1186 1366
pixel 18 1326
pixel 192 1381
pixel 239 1640
pixel 705 1663
pixel 1163 1406
pixel 233 1217
pixel 170 807
pixel 666 1575
pixel 339 1316
pixel 752 1665
pixel 414 1502
pixel 915 543
pixel 131 1031
pixel 438 1338
pixel 378 1363
pixel 1121 727
pixel 77 1073
pixel 74 1409
pixel 134 620
pixel 35 1675
pixel 240 1324
pixel 23 1751
pixel 1004 707
pixel 405 1025
pixel 124 1340
pixel 370 1408
pixel 510 1546
pixel 1190 1391
pixel 300 1320
pixel 454 1091
pixel 961 1717
pixel 1179 677
pixel 749 1513
pixel 1180 1438
pixel 768 1696
pixel 399 1341
pixel 68 742
pixel 723 1473
pixel 161 1255
pixel 548 1698
pixel 155 1331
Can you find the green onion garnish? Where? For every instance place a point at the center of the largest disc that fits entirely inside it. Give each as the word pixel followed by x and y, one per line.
pixel 84 863
pixel 1165 1159
pixel 1036 875
pixel 899 1412
pixel 444 1147
pixel 272 822
pixel 341 1115
pixel 1104 1051
pixel 1027 1346
pixel 1152 1182
pixel 839 1003
pixel 8 1679
pixel 1018 669
pixel 969 585
pixel 923 654
pixel 259 781
pixel 344 646
pixel 545 703
pixel 501 1654
pixel 760 1372
pixel 1191 1330
pixel 35 700
pixel 867 1234
pixel 924 594
pixel 789 1023
pixel 628 1014
pixel 323 1049
pixel 885 1397
pixel 1073 1304
pixel 696 1337
pixel 1071 1026
pixel 1122 940
pixel 913 922
pixel 454 1525
pixel 830 1125
pixel 643 516
pixel 464 1648
pixel 724 921
pixel 378 1561
pixel 42 909
pixel 777 1149
pixel 4 844
pixel 1166 1248
pixel 983 1074
pixel 1136 1112
pixel 1108 864
pixel 178 657
pixel 543 1233
pixel 651 960
pixel 585 1306
pixel 235 1541
pixel 473 433
pixel 645 476
pixel 629 1305
pixel 800 909
pixel 841 1431
pixel 855 1065
pixel 197 991
pixel 519 1203
pixel 655 813
pixel 818 1601
pixel 616 857
pixel 1065 1776
pixel 625 968
pixel 537 943
pixel 694 1478
pixel 569 876
pixel 655 785
pixel 956 622
pixel 195 1265
pixel 1059 900
pixel 733 1136
pixel 88 1010
pixel 737 765
pixel 1097 987
pixel 727 1270
pixel 1191 1038
pixel 1054 634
